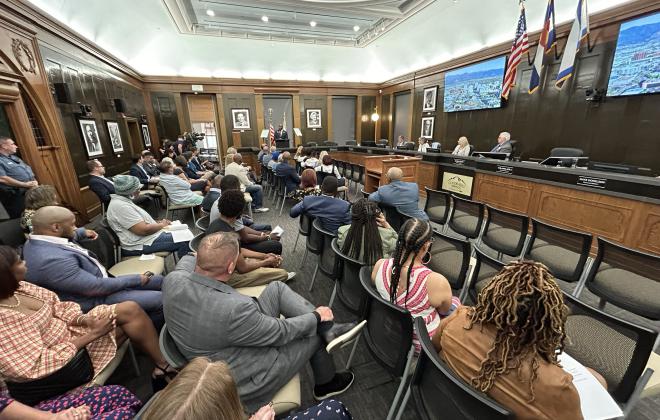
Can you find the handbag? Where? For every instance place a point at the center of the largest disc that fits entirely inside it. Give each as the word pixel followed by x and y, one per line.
pixel 78 371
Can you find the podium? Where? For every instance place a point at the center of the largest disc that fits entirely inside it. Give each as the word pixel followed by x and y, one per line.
pixel 236 138
pixel 376 167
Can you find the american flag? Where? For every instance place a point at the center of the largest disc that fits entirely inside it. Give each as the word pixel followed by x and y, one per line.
pixel 519 47
pixel 271 134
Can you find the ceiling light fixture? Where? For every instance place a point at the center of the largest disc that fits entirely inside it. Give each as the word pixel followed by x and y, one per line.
pixel 264 18
pixel 356 28
pixel 210 12
pixel 312 24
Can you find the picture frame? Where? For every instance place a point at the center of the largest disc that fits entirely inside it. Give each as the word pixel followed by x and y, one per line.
pixel 427 127
pixel 429 99
pixel 115 136
pixel 145 135
pixel 90 137
pixel 314 118
pixel 240 118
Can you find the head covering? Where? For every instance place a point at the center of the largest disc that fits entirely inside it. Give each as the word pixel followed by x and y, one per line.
pixel 126 184
pixel 275 155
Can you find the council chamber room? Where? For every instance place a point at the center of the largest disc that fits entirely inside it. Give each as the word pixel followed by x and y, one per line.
pixel 329 210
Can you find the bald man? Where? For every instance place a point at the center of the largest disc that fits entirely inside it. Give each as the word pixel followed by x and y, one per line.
pixel 400 194
pixel 237 169
pixel 503 143
pixel 56 262
pixel 208 318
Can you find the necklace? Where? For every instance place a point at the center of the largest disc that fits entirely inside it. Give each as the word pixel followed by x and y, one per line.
pixel 16 305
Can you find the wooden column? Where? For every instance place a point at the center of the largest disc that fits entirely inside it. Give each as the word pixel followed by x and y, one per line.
pixel 261 116
pixel 182 112
pixel 329 111
pixel 358 120
pixel 296 118
pixel 222 129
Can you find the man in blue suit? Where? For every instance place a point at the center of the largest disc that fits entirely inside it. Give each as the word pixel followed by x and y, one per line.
pixel 57 263
pixel 291 178
pixel 137 170
pixel 331 211
pixel 402 195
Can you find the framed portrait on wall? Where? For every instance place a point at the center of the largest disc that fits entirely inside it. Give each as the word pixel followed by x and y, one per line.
pixel 314 118
pixel 427 127
pixel 91 139
pixel 240 118
pixel 430 96
pixel 145 135
pixel 115 136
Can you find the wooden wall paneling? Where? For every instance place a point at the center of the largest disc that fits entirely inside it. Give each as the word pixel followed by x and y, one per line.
pixel 154 134
pixel 318 135
pixel 182 113
pixel 368 126
pixel 166 114
pixel 386 118
pixel 262 118
pixel 504 193
pixel 222 127
pixel 328 106
pixel 411 115
pixel 297 120
pixel 427 176
pixel 249 138
pixel 358 120
pixel 379 108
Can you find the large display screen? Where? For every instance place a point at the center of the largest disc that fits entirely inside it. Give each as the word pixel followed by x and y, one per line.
pixel 636 66
pixel 478 86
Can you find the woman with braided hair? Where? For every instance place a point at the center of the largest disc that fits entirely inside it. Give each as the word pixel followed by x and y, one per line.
pixel 369 237
pixel 507 344
pixel 405 281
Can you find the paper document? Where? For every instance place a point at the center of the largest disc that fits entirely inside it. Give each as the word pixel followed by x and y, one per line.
pixel 596 403
pixel 277 231
pixel 147 257
pixel 182 235
pixel 176 225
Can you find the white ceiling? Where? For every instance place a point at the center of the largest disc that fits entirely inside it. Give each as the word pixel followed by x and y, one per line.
pixel 144 36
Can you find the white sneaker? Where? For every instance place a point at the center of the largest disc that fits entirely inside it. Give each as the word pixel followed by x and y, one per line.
pixel 290 275
pixel 261 210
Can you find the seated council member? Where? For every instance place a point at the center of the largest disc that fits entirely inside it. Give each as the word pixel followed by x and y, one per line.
pixel 138 232
pixel 462 147
pixel 331 211
pixel 503 143
pixel 57 263
pixel 423 144
pixel 369 237
pixel 402 195
pixel 209 318
pixel 507 344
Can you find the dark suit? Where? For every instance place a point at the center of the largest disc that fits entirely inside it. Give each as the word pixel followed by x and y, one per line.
pixel 332 212
pixel 195 164
pixel 191 172
pixel 505 147
pixel 291 178
pixel 209 199
pixel 140 174
pixel 281 135
pixel 102 187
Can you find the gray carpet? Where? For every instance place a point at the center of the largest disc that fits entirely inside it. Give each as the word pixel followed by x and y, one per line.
pixel 374 389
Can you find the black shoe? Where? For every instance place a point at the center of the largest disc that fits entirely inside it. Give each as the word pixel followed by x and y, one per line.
pixel 341 334
pixel 338 385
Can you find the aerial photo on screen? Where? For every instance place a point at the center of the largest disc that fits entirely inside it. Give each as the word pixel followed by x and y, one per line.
pixel 636 66
pixel 478 86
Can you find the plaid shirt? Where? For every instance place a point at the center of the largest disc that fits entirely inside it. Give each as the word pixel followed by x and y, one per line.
pixel 36 345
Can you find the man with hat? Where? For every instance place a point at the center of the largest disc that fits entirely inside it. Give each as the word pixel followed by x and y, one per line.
pixel 138 232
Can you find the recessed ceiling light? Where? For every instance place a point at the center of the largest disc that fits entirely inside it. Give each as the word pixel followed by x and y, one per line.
pixel 312 24
pixel 264 18
pixel 356 28
pixel 210 12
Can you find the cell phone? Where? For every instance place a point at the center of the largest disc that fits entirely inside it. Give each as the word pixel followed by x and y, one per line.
pixel 149 274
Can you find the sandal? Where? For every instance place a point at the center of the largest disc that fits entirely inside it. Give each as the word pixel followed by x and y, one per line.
pixel 162 379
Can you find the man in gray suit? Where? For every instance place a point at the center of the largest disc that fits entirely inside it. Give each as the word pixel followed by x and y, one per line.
pixel 400 194
pixel 208 318
pixel 503 143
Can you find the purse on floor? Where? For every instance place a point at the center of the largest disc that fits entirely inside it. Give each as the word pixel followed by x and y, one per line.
pixel 78 371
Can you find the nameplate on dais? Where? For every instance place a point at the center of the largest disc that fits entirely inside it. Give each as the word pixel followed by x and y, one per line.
pixel 589 181
pixel 460 184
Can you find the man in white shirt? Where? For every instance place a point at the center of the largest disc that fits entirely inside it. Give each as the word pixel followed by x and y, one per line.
pixel 237 169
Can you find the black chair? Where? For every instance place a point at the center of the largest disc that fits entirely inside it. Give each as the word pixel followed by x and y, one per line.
pixel 485 268
pixel 347 283
pixel 438 204
pixel 312 144
pixel 351 143
pixel 441 394
pixel 389 337
pixel 348 173
pixel 282 191
pixel 617 349
pixel 169 349
pixel 466 217
pixel 505 232
pixel 392 215
pixel 203 223
pixel 364 193
pixel 565 252
pixel 451 257
pixel 194 242
pixel 11 233
pixel 403 216
pixel 326 262
pixel 357 175
pixel 628 278
pixel 566 152
pixel 304 229
pixel 329 143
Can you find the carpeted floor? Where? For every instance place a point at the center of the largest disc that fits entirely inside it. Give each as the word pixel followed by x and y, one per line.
pixel 374 389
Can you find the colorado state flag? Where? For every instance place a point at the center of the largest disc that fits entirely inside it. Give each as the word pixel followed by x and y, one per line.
pixel 546 42
pixel 579 31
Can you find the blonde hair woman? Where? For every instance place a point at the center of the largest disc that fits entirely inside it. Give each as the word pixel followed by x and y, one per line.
pixel 36 198
pixel 462 148
pixel 321 156
pixel 205 390
pixel 229 157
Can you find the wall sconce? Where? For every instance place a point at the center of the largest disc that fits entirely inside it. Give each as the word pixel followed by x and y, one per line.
pixel 375 117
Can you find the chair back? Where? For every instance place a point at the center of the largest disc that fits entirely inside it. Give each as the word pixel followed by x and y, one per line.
pixel 11 233
pixel 349 290
pixel 314 241
pixel 194 242
pixel 505 231
pixel 320 175
pixel 327 260
pixel 351 143
pixel 329 143
pixel 617 349
pixel 170 351
pixel 451 258
pixel 616 265
pixel 440 393
pixel 466 217
pixel 281 184
pixel 485 268
pixel 563 251
pixel 364 193
pixel 312 144
pixel 348 170
pixel 389 329
pixel 357 174
pixel 392 215
pixel 566 152
pixel 437 205
pixel 203 223
pixel 102 247
pixel 305 221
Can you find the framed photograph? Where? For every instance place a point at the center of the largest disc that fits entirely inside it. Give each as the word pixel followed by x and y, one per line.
pixel 427 127
pixel 314 118
pixel 90 135
pixel 145 134
pixel 115 136
pixel 240 119
pixel 430 95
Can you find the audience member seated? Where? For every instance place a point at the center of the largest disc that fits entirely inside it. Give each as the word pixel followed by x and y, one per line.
pixel 300 154
pixel 137 170
pixel 423 144
pixel 39 334
pixel 64 267
pixel 402 195
pixel 203 168
pixel 177 189
pixel 36 198
pixel 331 211
pixel 208 317
pixel 275 160
pixel 291 177
pixel 150 164
pixel 405 281
pixel 369 237
pixel 327 167
pixel 138 232
pixel 200 184
pixel 237 169
pixel 308 185
pixel 213 194
pixel 229 156
pixel 312 161
pixel 265 160
pixel 230 205
pixel 507 345
pixel 183 163
pixel 206 390
pixel 462 147
pixel 265 150
pixel 103 187
pixel 228 183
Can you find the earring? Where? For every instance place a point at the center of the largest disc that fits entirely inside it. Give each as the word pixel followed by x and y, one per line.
pixel 429 258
